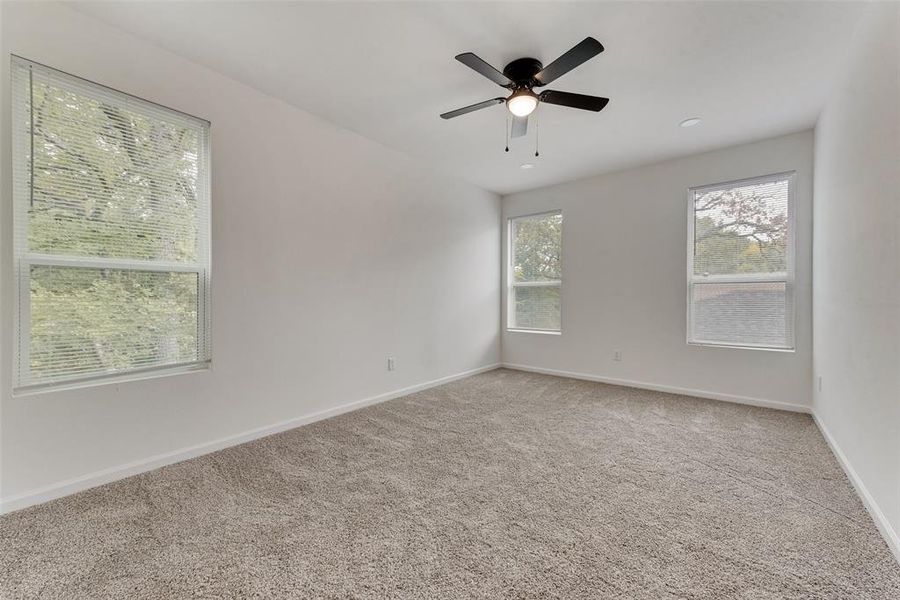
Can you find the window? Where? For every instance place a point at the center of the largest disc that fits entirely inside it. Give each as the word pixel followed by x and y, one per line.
pixel 740 263
pixel 111 232
pixel 535 273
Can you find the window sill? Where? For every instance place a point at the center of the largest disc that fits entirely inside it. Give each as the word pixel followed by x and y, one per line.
pixel 739 347
pixel 538 331
pixel 100 380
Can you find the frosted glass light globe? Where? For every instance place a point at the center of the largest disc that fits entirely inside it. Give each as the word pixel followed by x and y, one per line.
pixel 522 104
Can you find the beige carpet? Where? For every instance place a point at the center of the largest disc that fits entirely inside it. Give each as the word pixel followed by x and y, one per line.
pixel 503 485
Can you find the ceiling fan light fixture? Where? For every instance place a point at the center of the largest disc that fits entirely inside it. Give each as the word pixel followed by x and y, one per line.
pixel 521 76
pixel 522 103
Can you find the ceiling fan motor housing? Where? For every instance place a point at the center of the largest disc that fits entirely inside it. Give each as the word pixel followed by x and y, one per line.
pixel 522 71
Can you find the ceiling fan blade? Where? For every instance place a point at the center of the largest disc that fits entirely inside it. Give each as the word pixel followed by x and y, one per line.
pixel 583 51
pixel 472 108
pixel 519 127
pixel 477 64
pixel 594 103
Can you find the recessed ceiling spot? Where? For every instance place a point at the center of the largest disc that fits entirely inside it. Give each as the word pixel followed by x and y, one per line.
pixel 690 122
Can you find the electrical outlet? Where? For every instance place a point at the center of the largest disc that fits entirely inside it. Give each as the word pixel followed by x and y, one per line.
pixel 617 355
pixel 392 363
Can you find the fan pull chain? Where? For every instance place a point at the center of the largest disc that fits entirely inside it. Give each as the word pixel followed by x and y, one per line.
pixel 537 133
pixel 506 132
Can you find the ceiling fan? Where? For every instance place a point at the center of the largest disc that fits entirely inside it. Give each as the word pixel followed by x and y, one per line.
pixel 522 75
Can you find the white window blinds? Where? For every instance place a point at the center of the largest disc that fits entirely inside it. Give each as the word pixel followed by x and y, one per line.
pixel 535 272
pixel 111 231
pixel 740 263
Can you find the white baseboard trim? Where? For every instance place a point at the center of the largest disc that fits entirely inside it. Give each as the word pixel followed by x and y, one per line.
pixel 104 476
pixel 884 527
pixel 84 482
pixel 666 388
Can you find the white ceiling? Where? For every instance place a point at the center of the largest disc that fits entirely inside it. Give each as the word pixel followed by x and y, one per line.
pixel 750 70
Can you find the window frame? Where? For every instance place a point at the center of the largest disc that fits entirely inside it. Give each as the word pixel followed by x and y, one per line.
pixel 789 277
pixel 511 283
pixel 24 259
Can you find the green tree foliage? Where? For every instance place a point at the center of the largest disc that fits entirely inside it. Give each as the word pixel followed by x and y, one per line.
pixel 538 257
pixel 97 320
pixel 537 307
pixel 538 249
pixel 114 183
pixel 741 230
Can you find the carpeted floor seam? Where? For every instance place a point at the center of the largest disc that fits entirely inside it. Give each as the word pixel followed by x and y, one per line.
pixel 789 494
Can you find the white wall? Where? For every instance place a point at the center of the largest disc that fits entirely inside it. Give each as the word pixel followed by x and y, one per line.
pixel 856 255
pixel 330 252
pixel 624 279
